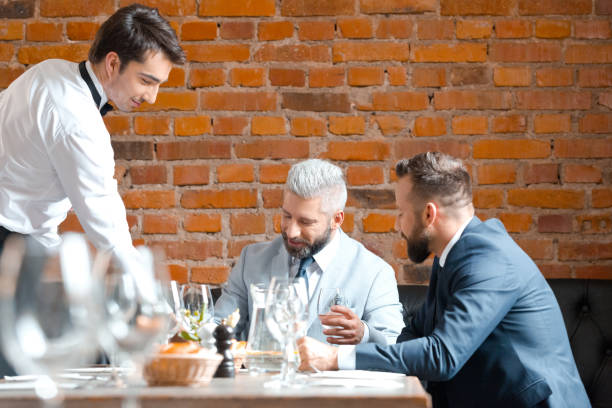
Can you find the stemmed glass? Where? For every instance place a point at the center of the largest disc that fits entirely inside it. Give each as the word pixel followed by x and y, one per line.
pixel 49 309
pixel 198 308
pixel 329 297
pixel 174 304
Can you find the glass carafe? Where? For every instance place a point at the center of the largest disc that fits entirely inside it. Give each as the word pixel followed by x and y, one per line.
pixel 263 351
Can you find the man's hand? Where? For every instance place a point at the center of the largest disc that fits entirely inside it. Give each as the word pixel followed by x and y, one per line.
pixel 315 355
pixel 349 327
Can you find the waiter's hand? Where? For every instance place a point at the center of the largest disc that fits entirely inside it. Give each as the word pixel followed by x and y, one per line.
pixel 349 327
pixel 315 355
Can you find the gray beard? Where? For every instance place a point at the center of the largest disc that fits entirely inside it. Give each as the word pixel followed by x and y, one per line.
pixel 308 250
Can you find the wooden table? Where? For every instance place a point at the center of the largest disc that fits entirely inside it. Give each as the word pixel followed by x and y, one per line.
pixel 242 391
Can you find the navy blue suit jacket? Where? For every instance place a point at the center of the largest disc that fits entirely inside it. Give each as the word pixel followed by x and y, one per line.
pixel 490 333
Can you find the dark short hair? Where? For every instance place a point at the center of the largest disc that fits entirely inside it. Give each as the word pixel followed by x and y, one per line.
pixel 437 175
pixel 132 32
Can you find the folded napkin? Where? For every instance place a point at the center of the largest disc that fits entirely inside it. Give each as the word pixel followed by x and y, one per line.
pixel 357 378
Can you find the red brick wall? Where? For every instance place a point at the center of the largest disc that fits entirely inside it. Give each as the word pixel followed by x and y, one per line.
pixel 519 89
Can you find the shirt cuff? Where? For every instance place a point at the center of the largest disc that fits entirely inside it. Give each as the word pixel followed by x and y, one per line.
pixel 366 333
pixel 346 358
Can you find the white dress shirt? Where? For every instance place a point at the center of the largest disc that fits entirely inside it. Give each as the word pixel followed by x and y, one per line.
pixel 346 354
pixel 55 153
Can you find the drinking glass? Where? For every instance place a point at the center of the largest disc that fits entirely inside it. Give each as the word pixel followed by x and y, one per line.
pixel 174 304
pixel 198 308
pixel 329 297
pixel 49 308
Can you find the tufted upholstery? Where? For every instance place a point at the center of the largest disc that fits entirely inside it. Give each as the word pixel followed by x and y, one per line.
pixel 587 310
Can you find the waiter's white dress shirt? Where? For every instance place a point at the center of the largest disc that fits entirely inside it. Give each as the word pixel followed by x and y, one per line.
pixel 55 152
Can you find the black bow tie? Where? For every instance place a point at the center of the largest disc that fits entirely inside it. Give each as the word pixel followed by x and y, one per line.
pixel 92 88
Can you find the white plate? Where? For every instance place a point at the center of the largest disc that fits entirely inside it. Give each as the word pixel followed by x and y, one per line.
pixel 359 375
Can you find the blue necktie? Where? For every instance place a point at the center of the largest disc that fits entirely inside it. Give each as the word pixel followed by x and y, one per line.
pixel 304 264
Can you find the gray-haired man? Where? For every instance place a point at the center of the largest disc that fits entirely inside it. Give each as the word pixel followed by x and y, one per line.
pixel 312 213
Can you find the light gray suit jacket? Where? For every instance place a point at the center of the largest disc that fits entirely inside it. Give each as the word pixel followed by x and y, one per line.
pixel 367 281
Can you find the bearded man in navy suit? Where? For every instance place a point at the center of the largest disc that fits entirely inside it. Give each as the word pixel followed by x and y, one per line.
pixel 490 333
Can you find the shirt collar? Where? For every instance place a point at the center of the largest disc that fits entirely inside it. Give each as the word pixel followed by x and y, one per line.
pixel 325 256
pixel 452 242
pixel 97 84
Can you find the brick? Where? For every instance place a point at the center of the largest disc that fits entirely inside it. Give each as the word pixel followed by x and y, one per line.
pixel 316 102
pixel 541 173
pixel 408 148
pixel 249 77
pixel 234 247
pixel 179 273
pixel 202 223
pixel 237 8
pixel 149 199
pixel 234 125
pixel 11 30
pixel 477 7
pixel 378 223
pixel 238 101
pixel 429 126
pixel 347 125
pixel 357 151
pixel 525 52
pixel 588 53
pixel 306 126
pixel 428 77
pixel 348 225
pixel 552 123
pixel 200 149
pixel 245 224
pixel 193 250
pixel 595 77
pixel 556 271
pixel 496 173
pixel 603 7
pixel 133 150
pixel 274 30
pixel 213 275
pixel 553 28
pixel 474 29
pixel 396 6
pixel 549 7
pixel 152 125
pixel 206 77
pixel 6 52
pixel 469 75
pixel 555 77
pixel 273 173
pixel 581 173
pixel 47 32
pixel 592 271
pixel 472 100
pixel 399 28
pixel 159 224
pixel 237 30
pixel 537 248
pixel 509 124
pixel 73 8
pixel 371 198
pixel 176 78
pixel 292 53
pixel 216 52
pixel 364 175
pixel 605 99
pixel 149 174
pixel 273 149
pixel 389 125
pixel 191 175
pixel 512 76
pixel 192 125
pixel 29 55
pixel 273 198
pixel 469 125
pixel 592 29
pixel 546 198
pixel 399 101
pixel 365 76
pixel 516 222
pixel 511 149
pixel 300 8
pixel 400 249
pixel 596 123
pixel 584 250
pixel 487 198
pixel 70 223
pixel 17 9
pixel 463 52
pixel 553 100
pixel 316 30
pixel 355 27
pixel 235 173
pixel 120 173
pixel 219 199
pixel 268 125
pixel 172 100
pixel 435 29
pixel 198 30
pixel 343 51
pixel 583 148
pixel 9 74
pixel 601 198
pixel 287 77
pixel 326 77
pixel 513 29
pixel 595 223
pixel 167 7
pixel 555 223
pixel 397 75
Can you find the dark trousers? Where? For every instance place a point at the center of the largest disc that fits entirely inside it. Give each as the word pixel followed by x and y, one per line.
pixel 5 367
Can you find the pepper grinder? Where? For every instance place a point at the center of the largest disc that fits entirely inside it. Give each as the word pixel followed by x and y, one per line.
pixel 223 335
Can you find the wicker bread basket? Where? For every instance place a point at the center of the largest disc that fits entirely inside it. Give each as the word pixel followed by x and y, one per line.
pixel 181 369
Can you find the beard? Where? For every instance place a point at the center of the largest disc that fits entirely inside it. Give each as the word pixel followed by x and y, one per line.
pixel 309 249
pixel 418 244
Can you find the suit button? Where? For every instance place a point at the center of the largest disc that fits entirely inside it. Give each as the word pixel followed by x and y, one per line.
pixel 585 309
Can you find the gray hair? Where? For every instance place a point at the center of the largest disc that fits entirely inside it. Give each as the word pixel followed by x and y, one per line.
pixel 318 178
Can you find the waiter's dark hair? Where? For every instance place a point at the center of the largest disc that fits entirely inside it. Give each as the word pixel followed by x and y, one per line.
pixel 132 32
pixel 437 175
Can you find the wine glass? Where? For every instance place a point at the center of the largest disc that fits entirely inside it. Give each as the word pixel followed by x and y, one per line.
pixel 198 308
pixel 174 304
pixel 329 297
pixel 49 308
